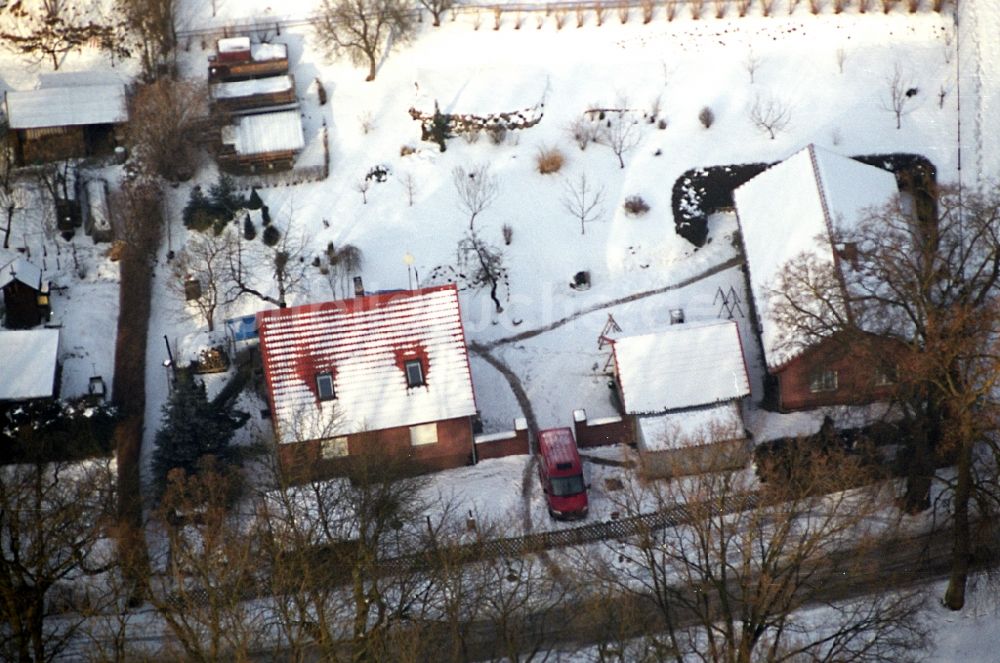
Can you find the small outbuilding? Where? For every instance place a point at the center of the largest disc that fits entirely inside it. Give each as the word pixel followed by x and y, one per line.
pixel 262 143
pixel 69 115
pixel 25 298
pixel 237 59
pixel 29 370
pixel 683 388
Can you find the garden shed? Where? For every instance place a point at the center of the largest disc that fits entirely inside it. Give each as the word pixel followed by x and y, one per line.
pixel 25 298
pixel 69 115
pixel 262 143
pixel 683 389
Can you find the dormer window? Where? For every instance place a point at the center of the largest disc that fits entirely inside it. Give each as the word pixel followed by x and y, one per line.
pixel 414 373
pixel 324 387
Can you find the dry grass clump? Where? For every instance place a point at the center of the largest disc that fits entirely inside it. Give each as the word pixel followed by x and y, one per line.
pixel 549 160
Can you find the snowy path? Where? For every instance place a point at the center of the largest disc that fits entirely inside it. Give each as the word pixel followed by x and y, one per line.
pixel 531 333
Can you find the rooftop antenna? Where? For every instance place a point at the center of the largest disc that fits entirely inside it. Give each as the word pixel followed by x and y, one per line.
pixel 730 303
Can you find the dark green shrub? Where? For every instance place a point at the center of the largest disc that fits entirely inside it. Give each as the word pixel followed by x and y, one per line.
pixel 249 231
pixel 271 236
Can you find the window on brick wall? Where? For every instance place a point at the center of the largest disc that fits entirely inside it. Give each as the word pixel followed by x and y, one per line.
pixel 885 376
pixel 334 447
pixel 423 434
pixel 823 380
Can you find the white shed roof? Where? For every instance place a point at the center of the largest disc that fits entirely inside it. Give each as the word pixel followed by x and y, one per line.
pixel 685 366
pixel 238 89
pixel 691 428
pixel 72 99
pixel 28 363
pixel 268 132
pixel 791 209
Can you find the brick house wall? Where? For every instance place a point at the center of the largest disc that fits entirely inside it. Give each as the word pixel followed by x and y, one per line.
pixel 855 383
pixel 304 461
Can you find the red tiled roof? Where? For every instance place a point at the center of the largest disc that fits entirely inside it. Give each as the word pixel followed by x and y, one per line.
pixel 364 343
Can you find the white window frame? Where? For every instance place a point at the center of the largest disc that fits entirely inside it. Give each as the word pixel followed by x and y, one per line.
pixel 334 447
pixel 823 380
pixel 423 434
pixel 326 375
pixel 419 365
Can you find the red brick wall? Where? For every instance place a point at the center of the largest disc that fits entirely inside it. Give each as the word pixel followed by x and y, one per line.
pixel 302 461
pixel 515 445
pixel 855 381
pixel 589 435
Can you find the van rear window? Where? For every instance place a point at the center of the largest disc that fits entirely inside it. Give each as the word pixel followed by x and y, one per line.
pixel 564 466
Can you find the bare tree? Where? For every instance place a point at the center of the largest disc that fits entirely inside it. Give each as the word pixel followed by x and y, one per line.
pixel 620 132
pixel 356 522
pixel 477 189
pixel 900 94
pixel 204 259
pixel 409 183
pixel 52 526
pixel 751 63
pixel 49 29
pixel 582 200
pixel 925 285
pixel 208 569
pixel 841 55
pixel 9 192
pixel 482 265
pixel 437 8
pixel 770 114
pixel 583 130
pixel 285 270
pixel 166 118
pixel 363 30
pixel 362 186
pixel 152 27
pixel 733 582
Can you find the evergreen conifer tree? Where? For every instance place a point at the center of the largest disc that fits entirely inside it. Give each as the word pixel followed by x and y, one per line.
pixel 192 428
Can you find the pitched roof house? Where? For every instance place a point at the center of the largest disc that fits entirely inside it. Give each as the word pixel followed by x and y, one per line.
pixel 683 388
pixel 793 209
pixel 384 372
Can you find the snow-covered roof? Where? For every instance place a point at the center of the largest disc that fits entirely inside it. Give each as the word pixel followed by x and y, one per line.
pixel 263 52
pixel 364 344
pixel 68 99
pixel 267 132
pixel 15 267
pixel 255 86
pixel 233 44
pixel 691 428
pixel 791 209
pixel 687 365
pixel 29 363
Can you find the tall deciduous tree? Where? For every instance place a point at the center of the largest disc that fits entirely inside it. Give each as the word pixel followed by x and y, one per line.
pixel 52 521
pixel 165 121
pixel 925 274
pixel 363 30
pixel 49 29
pixel 733 582
pixel 152 25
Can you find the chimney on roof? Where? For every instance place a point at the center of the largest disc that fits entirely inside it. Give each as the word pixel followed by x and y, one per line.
pixel 359 287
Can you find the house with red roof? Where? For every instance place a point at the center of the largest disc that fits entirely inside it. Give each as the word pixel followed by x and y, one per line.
pixel 683 389
pixel 384 373
pixel 792 211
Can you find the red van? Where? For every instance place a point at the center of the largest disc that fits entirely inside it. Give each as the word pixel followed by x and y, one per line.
pixel 561 473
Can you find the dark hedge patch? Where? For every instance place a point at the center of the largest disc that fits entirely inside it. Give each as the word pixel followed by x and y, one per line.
pixel 701 191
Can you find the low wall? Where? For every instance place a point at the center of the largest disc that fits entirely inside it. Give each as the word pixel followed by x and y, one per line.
pixel 602 432
pixel 508 443
pixel 715 457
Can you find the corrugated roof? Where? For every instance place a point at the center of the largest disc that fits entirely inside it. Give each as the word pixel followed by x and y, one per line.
pixel 28 367
pixel 791 209
pixel 364 344
pixel 687 365
pixel 268 132
pixel 67 105
pixel 239 89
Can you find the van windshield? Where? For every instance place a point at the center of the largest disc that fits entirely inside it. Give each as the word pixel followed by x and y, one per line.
pixel 565 486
